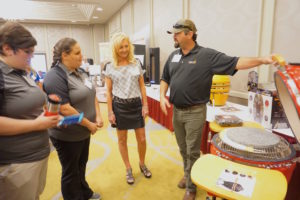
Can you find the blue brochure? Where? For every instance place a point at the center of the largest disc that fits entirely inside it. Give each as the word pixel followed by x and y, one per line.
pixel 72 119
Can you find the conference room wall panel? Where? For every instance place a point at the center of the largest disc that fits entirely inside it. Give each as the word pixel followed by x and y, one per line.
pixel 165 14
pixel 83 34
pixel 54 33
pixel 231 27
pixel 240 28
pixel 88 36
pixel 287 30
pixel 127 19
pixel 237 28
pixel 40 34
pixel 141 14
pixel 98 36
pixel 115 24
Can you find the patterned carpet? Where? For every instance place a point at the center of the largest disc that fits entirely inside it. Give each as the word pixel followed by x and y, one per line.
pixel 106 171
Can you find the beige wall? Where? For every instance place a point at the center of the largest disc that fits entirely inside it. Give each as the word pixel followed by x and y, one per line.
pixel 286 38
pixel 231 27
pixel 163 21
pixel 88 36
pixel 237 28
pixel 141 14
pixel 98 36
pixel 127 19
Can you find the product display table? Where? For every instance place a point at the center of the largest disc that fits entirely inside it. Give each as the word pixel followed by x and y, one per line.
pixel 240 111
pixel 231 180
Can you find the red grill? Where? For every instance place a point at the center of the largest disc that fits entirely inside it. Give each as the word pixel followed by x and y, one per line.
pixel 255 147
pixel 287 80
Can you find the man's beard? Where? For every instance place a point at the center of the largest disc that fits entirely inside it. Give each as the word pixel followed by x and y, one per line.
pixel 176 45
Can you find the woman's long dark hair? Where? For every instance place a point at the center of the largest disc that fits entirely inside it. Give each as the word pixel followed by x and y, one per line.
pixel 63 45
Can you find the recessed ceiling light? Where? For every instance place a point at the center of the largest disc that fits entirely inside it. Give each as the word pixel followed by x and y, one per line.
pixel 73 21
pixel 95 17
pixel 74 5
pixel 99 9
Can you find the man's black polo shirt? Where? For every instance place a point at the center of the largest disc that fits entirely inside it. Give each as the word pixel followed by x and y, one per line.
pixel 190 76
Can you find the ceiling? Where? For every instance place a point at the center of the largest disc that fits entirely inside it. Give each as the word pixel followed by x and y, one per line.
pixel 60 11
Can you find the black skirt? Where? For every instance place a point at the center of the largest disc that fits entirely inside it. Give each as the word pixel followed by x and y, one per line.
pixel 128 113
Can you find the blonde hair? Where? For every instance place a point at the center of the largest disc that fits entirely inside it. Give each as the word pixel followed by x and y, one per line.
pixel 116 42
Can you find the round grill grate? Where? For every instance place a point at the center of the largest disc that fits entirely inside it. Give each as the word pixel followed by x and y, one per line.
pixel 253 144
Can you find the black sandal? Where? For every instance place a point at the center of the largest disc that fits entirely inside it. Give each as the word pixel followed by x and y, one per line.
pixel 145 171
pixel 129 176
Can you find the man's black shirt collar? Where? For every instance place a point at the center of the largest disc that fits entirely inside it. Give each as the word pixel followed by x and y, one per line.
pixel 194 50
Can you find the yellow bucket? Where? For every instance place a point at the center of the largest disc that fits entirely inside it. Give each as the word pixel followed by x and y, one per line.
pixel 219 90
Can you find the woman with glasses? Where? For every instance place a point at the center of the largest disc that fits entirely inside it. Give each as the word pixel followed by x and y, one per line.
pixel 24 140
pixel 127 100
pixel 77 93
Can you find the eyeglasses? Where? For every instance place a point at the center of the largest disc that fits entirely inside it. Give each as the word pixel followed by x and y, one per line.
pixel 178 26
pixel 28 51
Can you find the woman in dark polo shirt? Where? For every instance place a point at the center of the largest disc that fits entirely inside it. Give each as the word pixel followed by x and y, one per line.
pixel 24 140
pixel 78 95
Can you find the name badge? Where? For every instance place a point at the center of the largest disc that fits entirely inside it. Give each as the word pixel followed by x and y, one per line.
pixel 176 58
pixel 88 83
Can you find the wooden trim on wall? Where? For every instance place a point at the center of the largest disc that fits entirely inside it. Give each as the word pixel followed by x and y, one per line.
pixel 266 37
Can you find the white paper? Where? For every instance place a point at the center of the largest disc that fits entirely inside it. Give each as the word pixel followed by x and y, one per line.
pixel 176 58
pixel 260 109
pixel 237 181
pixel 88 83
pixel 39 64
pixel 94 70
pixel 141 58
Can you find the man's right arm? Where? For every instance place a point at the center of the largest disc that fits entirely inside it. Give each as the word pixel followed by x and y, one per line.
pixel 163 100
pixel 249 62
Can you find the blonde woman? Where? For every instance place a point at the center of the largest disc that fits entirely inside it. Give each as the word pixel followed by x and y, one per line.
pixel 127 100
